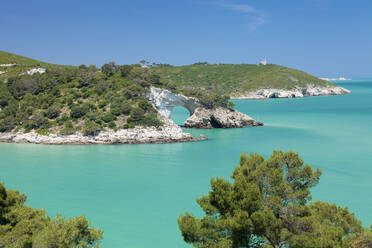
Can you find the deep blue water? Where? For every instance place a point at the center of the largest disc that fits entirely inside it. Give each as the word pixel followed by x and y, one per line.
pixel 136 192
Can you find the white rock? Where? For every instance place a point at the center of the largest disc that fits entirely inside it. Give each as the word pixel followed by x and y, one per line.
pixel 164 101
pixel 219 118
pixel 310 90
pixel 170 132
pixel 7 65
pixel 34 70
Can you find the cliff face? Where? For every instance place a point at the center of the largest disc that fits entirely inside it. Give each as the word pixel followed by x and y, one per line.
pixel 310 90
pixel 164 101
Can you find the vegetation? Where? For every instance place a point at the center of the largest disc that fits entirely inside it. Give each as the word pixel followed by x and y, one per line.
pixel 234 78
pixel 267 204
pixel 24 227
pixel 67 99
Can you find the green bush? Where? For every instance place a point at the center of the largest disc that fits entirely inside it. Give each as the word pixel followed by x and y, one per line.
pixel 91 128
pixel 108 117
pixel 68 129
pixel 152 120
pixel 78 111
pixel 92 116
pixel 39 121
pixel 53 112
pixel 7 124
pixel 126 108
pixel 102 104
pixel 136 115
pixel 145 105
pixel 111 125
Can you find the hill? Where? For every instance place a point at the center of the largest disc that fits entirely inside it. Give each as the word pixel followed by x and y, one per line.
pixel 234 79
pixel 68 100
pixel 10 58
pixel 13 65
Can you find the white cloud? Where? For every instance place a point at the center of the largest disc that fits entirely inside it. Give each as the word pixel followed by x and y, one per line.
pixel 258 17
pixel 244 8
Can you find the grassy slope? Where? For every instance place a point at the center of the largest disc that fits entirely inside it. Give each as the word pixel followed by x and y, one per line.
pixel 236 78
pixel 23 64
pixel 10 58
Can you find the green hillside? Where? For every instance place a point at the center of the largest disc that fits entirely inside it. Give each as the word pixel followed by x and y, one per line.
pixel 69 99
pixel 233 78
pixel 22 64
pixel 10 58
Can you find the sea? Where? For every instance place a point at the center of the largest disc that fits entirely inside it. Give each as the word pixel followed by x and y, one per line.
pixel 135 193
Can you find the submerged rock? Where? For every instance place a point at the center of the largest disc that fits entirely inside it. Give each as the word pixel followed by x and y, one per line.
pixel 219 118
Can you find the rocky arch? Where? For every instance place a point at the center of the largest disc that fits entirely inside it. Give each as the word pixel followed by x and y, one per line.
pixel 200 117
pixel 165 101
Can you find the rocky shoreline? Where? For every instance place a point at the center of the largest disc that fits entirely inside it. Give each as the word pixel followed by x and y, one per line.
pixel 163 101
pixel 138 135
pixel 310 90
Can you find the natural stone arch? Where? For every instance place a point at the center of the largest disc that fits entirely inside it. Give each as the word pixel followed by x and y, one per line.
pixel 165 101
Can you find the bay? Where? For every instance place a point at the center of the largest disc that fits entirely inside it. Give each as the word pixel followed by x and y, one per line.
pixel 136 192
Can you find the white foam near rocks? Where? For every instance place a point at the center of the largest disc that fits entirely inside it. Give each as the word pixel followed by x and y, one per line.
pixel 310 90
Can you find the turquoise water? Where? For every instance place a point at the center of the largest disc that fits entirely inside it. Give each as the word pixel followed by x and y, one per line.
pixel 136 192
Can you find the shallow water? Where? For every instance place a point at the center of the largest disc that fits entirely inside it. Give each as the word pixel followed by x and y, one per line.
pixel 136 192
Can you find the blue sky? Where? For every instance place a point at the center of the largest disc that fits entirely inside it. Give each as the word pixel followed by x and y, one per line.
pixel 322 37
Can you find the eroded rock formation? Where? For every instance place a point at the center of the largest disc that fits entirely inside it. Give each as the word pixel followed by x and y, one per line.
pixel 164 101
pixel 219 118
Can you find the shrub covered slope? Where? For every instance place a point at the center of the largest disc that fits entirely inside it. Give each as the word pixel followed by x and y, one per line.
pixel 235 78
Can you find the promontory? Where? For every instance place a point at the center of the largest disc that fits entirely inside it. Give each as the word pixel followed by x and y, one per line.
pixel 45 103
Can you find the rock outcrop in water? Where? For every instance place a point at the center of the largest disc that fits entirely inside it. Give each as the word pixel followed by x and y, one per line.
pixel 310 90
pixel 219 118
pixel 200 117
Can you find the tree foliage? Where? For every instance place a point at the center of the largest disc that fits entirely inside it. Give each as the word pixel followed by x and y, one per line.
pixel 267 205
pixel 24 227
pixel 70 99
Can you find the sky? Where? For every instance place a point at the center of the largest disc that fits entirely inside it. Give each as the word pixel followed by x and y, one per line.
pixel 327 38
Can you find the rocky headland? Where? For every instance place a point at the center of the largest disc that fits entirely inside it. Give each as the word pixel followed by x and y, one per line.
pixel 298 92
pixel 164 101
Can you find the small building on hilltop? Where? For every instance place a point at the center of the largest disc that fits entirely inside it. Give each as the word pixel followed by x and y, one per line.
pixel 263 62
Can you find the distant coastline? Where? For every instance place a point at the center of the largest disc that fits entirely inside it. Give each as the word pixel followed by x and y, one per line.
pixel 336 79
pixel 298 92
